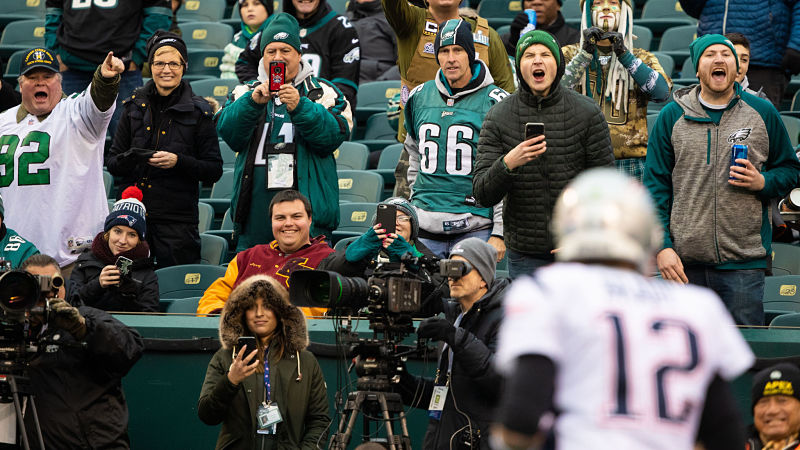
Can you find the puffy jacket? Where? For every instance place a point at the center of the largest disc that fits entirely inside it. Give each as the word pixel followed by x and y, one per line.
pixel 186 128
pixel 770 25
pixel 375 37
pixel 577 139
pixel 135 293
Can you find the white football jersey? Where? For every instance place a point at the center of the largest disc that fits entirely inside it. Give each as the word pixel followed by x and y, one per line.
pixel 634 356
pixel 51 175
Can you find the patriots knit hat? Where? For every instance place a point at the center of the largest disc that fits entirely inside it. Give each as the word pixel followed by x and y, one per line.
pixel 166 39
pixel 455 32
pixel 699 45
pixel 538 37
pixel 268 5
pixel 128 211
pixel 780 379
pixel 283 28
pixel 480 254
pixel 406 208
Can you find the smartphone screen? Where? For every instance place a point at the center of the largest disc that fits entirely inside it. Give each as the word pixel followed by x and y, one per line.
pixel 387 217
pixel 277 75
pixel 246 341
pixel 533 129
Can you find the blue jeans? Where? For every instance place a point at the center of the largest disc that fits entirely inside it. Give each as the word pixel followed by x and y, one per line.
pixel 742 291
pixel 520 264
pixel 442 248
pixel 77 81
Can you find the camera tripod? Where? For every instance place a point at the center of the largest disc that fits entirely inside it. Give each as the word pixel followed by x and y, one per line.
pixel 18 387
pixel 386 405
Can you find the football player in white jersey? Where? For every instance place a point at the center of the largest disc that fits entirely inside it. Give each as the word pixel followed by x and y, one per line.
pixel 625 361
pixel 51 156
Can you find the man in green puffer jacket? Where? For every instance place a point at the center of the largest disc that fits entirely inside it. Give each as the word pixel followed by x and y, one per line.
pixel 528 174
pixel 285 139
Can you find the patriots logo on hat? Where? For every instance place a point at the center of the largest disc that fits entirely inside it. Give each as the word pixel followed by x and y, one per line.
pixel 130 219
pixel 280 36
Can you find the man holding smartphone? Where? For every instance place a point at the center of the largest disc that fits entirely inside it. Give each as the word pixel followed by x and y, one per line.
pixel 285 138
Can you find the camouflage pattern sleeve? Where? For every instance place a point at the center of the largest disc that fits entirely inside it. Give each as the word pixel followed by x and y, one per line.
pixel 577 60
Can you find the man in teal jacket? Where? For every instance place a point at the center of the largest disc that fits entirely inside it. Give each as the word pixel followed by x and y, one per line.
pixel 285 139
pixel 715 215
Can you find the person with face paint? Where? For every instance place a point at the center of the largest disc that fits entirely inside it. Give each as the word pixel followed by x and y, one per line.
pixel 620 78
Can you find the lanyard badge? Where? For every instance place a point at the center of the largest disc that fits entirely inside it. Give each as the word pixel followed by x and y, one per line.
pixel 268 415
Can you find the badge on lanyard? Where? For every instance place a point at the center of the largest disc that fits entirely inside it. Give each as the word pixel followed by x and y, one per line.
pixel 437 402
pixel 281 165
pixel 269 416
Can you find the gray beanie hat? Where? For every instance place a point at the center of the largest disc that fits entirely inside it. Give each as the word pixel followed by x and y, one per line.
pixel 480 254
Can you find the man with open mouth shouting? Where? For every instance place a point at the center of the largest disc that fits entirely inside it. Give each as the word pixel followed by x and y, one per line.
pixel 714 207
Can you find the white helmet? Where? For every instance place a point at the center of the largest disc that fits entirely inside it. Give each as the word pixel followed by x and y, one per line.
pixel 605 215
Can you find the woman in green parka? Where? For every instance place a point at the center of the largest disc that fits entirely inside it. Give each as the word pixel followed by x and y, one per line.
pixel 240 387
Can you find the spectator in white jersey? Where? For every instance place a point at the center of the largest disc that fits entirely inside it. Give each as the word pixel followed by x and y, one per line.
pixel 776 409
pixel 628 361
pixel 53 178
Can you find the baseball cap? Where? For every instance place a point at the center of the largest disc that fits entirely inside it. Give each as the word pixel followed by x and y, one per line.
pixel 38 57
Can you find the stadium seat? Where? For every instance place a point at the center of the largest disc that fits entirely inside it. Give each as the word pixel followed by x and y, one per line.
pixel 373 97
pixel 499 12
pixel 781 295
pixel 785 259
pixel 388 162
pixel 675 42
pixel 354 220
pixel 359 186
pixel 14 10
pixel 12 67
pixel 571 10
pixel 221 193
pixel 351 156
pixel 688 73
pixel 183 305
pixel 206 35
pixel 201 11
pixel 666 61
pixel 203 64
pixel 644 38
pixel 785 320
pixel 213 249
pixel 205 214
pixel 505 29
pixel 217 88
pixel 188 280
pixel 225 231
pixel 228 155
pixel 108 183
pixel 21 35
pixel 792 125
pixel 659 15
pixel 341 244
pixel 340 6
pixel 378 133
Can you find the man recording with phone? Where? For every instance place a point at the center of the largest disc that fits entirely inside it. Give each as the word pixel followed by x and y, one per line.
pixel 77 379
pixel 285 128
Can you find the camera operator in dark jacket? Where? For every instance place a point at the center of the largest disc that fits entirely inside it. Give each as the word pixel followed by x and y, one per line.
pixel 469 333
pixel 116 274
pixel 77 383
pixel 166 143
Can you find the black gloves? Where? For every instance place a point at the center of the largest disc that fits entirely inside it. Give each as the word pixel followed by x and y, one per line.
pixel 590 38
pixel 617 42
pixel 791 61
pixel 520 22
pixel 438 329
pixel 67 318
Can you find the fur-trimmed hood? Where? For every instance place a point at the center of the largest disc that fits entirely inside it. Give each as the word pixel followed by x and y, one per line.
pixel 292 320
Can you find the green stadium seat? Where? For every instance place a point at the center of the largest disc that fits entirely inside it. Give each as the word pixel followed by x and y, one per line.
pixel 201 11
pixel 666 61
pixel 206 35
pixel 227 220
pixel 792 125
pixel 21 35
pixel 659 15
pixel 784 320
pixel 12 67
pixel 188 280
pixel 205 214
pixel 213 249
pixel 378 133
pixel 571 10
pixel 781 295
pixel 221 193
pixel 675 42
pixel 351 156
pixel 14 10
pixel 499 12
pixel 225 231
pixel 217 88
pixel 340 6
pixel 505 29
pixel 785 259
pixel 388 162
pixel 228 155
pixel 688 73
pixel 359 186
pixel 183 305
pixel 373 97
pixel 203 64
pixel 341 244
pixel 108 183
pixel 354 219
pixel 644 38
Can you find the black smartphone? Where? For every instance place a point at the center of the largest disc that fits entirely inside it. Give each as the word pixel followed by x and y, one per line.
pixel 277 75
pixel 248 342
pixel 387 217
pixel 124 265
pixel 533 129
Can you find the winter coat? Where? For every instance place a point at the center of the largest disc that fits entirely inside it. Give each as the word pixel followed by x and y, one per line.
pixel 376 38
pixel 474 383
pixel 297 384
pixel 564 34
pixel 771 25
pixel 79 387
pixel 186 128
pixel 577 139
pixel 753 441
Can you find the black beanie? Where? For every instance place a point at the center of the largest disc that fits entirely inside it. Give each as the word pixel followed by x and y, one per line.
pixel 268 5
pixel 780 379
pixel 455 32
pixel 165 39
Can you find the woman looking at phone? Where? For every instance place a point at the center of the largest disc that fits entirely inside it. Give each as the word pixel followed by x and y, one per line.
pixel 116 273
pixel 278 401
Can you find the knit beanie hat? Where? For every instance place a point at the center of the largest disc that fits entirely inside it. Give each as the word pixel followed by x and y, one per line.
pixel 455 32
pixel 406 208
pixel 538 37
pixel 699 45
pixel 283 28
pixel 780 379
pixel 128 211
pixel 166 39
pixel 268 5
pixel 480 254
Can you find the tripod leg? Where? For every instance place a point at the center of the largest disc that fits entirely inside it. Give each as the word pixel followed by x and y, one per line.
pixel 341 439
pixel 12 384
pixel 388 420
pixel 36 422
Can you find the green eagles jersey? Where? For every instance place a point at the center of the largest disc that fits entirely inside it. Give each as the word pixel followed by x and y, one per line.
pixel 15 249
pixel 446 131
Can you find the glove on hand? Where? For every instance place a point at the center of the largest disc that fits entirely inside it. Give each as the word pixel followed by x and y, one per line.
pixel 590 38
pixel 791 61
pixel 438 329
pixel 67 318
pixel 520 22
pixel 400 247
pixel 366 246
pixel 617 42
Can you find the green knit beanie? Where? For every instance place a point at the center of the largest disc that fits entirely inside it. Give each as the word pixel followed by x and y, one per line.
pixel 538 37
pixel 283 28
pixel 699 45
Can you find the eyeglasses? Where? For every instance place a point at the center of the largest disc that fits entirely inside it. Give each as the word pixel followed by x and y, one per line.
pixel 403 219
pixel 172 65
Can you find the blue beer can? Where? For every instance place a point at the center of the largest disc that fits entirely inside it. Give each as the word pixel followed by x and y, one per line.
pixel 738 151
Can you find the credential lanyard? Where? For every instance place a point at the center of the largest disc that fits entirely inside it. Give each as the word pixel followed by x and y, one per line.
pixel 267 386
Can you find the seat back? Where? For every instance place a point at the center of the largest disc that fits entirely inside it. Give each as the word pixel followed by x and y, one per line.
pixel 663 9
pixel 183 305
pixel 213 249
pixel 217 88
pixel 201 11
pixel 205 213
pixel 390 156
pixel 223 188
pixel 23 33
pixel 23 8
pixel 206 35
pixel 678 38
pixel 786 257
pixel 792 125
pixel 378 127
pixel 644 38
pixel 351 156
pixel 666 61
pixel 188 280
pixel 203 64
pixel 359 186
pixel 356 216
pixel 373 97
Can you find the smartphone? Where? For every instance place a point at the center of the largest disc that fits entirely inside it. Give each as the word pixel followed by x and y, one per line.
pixel 387 217
pixel 533 129
pixel 246 341
pixel 277 75
pixel 124 265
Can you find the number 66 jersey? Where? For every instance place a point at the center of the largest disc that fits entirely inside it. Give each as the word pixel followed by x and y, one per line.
pixel 634 356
